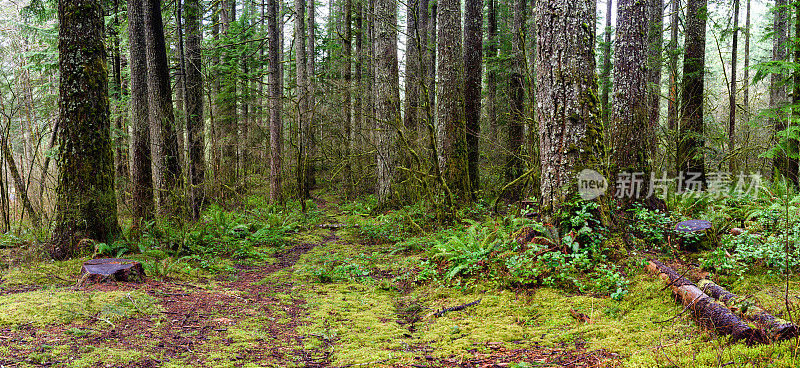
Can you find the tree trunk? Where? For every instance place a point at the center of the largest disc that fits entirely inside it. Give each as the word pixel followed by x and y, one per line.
pixel 655 14
pixel 514 165
pixel 450 110
pixel 473 58
pixel 142 201
pixel 164 140
pixel 120 154
pixel 19 186
pixel 631 128
pixel 86 203
pixel 793 142
pixel 732 91
pixel 778 94
pixel 358 104
pixel 673 103
pixel 566 95
pixel 691 134
pixel 605 73
pixel 228 131
pixel 347 33
pixel 311 134
pixel 301 63
pixel 387 83
pixel 180 90
pixel 491 71
pixel 746 81
pixel 276 102
pixel 194 105
pixel 430 60
pixel 414 76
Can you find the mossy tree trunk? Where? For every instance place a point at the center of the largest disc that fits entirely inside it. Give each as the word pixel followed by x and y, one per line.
pixel 163 136
pixel 732 91
pixel 777 92
pixel 450 106
pixel 142 201
pixel 631 132
pixel 473 57
pixel 566 95
pixel 194 105
pixel 387 83
pixel 516 92
pixel 86 204
pixel 276 102
pixel 691 135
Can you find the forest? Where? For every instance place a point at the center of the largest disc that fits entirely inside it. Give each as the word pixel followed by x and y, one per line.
pixel 384 183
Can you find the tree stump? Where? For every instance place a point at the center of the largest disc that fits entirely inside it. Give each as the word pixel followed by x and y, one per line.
pixel 111 269
pixel 698 228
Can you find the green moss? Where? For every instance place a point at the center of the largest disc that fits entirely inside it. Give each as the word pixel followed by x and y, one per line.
pixel 43 307
pixel 43 272
pixel 107 357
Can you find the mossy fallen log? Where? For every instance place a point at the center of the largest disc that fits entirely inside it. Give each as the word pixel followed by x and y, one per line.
pixel 705 310
pixel 777 329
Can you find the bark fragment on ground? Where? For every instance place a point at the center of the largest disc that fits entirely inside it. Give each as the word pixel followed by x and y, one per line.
pixel 705 310
pixel 776 328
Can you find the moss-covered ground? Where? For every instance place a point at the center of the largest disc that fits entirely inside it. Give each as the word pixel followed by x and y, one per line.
pixel 332 297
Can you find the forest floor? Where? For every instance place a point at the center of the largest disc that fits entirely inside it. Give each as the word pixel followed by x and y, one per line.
pixel 278 314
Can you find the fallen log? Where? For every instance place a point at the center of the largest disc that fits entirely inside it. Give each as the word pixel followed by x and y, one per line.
pixel 705 310
pixel 777 329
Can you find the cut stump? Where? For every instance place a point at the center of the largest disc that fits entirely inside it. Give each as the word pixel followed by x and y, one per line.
pixel 705 310
pixel 111 269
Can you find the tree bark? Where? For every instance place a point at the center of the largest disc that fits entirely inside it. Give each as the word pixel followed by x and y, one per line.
pixel 301 63
pixel 276 103
pixel 777 329
pixel 673 103
pixel 450 110
pixel 691 134
pixel 605 73
pixel 86 203
pixel 120 153
pixel 473 58
pixel 142 201
pixel 566 95
pixel 387 82
pixel 705 311
pixel 194 105
pixel 631 130
pixel 346 30
pixel 164 140
pixel 732 91
pixel 655 36
pixel 778 94
pixel 746 80
pixel 514 164
pixel 312 98
pixel 491 71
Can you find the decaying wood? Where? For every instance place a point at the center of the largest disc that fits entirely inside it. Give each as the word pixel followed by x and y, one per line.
pixel 777 329
pixel 441 312
pixel 705 310
pixel 580 316
pixel 111 269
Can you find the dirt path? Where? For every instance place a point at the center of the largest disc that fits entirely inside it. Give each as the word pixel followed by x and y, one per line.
pixel 200 325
